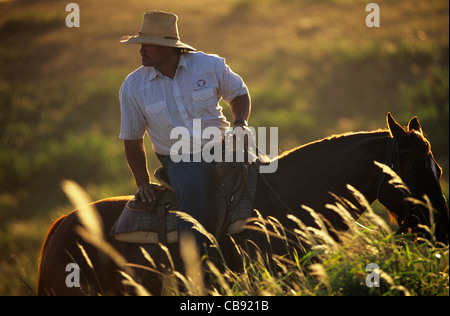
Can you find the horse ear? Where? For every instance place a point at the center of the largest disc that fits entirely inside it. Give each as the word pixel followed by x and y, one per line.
pixel 397 131
pixel 414 125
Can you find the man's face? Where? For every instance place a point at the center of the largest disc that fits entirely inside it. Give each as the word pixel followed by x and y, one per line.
pixel 153 55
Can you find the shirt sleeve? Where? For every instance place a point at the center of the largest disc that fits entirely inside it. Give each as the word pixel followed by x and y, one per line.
pixel 133 123
pixel 231 84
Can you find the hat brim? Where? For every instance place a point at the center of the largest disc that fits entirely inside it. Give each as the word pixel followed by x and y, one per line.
pixel 145 39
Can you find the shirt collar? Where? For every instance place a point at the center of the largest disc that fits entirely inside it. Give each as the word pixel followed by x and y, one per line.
pixel 183 62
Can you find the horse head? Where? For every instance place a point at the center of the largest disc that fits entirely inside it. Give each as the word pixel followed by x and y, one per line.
pixel 413 161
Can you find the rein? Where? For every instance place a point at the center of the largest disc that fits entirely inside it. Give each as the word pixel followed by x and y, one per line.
pixel 275 193
pixel 267 182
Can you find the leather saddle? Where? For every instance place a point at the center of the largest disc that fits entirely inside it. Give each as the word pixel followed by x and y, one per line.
pixel 150 223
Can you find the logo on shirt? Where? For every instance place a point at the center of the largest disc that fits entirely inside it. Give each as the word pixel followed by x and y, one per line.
pixel 201 83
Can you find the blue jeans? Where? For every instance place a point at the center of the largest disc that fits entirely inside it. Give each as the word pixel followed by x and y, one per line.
pixel 191 182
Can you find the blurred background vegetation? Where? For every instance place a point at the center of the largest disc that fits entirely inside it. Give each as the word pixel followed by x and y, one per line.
pixel 313 69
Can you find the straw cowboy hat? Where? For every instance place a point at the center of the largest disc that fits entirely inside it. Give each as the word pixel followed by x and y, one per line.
pixel 158 28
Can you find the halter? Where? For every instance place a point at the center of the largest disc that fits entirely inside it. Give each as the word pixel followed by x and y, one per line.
pixel 406 219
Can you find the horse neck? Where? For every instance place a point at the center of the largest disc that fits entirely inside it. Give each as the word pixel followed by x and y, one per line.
pixel 307 175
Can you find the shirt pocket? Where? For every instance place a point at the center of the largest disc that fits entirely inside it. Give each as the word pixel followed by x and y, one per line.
pixel 206 102
pixel 157 115
pixel 155 108
pixel 204 94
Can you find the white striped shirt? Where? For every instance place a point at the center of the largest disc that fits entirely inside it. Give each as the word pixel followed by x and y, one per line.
pixel 153 102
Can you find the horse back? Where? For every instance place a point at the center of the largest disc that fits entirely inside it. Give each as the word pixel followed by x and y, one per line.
pixel 48 237
pixel 63 246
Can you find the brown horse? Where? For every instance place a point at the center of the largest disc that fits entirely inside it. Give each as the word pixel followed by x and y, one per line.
pixel 305 176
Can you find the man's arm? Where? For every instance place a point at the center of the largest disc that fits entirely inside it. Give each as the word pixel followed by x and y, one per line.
pixel 137 161
pixel 240 108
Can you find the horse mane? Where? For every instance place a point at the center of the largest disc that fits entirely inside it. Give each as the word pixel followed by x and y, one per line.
pixel 419 147
pixel 336 139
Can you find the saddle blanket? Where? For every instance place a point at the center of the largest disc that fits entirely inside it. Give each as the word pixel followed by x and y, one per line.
pixel 142 226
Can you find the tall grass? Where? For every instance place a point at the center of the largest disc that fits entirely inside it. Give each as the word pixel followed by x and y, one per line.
pixel 406 267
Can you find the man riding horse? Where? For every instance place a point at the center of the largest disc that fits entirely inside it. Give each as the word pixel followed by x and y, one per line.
pixel 174 86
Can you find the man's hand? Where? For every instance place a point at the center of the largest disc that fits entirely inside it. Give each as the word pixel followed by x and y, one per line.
pixel 146 192
pixel 241 130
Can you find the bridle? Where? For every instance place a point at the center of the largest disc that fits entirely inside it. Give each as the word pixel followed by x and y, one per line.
pixel 408 222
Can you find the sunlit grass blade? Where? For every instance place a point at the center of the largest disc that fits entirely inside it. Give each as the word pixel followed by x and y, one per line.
pixel 140 290
pixel 192 264
pixel 85 210
pixel 199 227
pixel 148 257
pixel 396 181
